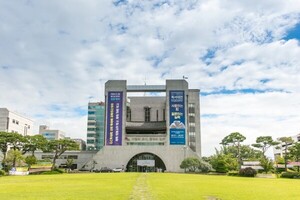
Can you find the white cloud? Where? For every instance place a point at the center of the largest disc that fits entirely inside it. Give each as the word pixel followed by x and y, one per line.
pixel 55 56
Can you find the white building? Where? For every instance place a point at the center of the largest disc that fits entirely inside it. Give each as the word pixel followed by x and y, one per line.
pixel 150 132
pixel 50 134
pixel 14 122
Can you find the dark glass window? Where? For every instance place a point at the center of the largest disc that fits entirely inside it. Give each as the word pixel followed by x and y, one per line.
pixel 147 114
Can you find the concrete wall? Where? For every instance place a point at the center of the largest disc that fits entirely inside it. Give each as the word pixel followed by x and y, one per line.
pixel 113 157
pixel 84 157
pixel 137 105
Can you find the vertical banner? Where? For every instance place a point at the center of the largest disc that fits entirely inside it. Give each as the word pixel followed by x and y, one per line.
pixel 177 117
pixel 114 118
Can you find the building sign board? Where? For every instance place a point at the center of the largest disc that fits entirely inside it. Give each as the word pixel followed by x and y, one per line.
pixel 114 118
pixel 148 163
pixel 177 117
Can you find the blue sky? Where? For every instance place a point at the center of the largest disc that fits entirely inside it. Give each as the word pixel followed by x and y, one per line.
pixel 56 55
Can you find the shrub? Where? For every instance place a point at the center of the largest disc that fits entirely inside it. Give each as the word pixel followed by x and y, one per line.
pixel 2 173
pixel 247 172
pixel 51 172
pixel 60 171
pixel 233 173
pixel 290 175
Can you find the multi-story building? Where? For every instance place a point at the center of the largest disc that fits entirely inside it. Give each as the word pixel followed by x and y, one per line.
pixel 14 122
pixel 50 134
pixel 81 144
pixel 149 132
pixel 95 126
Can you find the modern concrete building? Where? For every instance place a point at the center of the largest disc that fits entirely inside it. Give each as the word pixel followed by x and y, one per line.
pixel 149 133
pixel 14 122
pixel 95 126
pixel 50 134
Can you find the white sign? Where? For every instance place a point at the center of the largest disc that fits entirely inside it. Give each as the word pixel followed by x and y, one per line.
pixel 148 163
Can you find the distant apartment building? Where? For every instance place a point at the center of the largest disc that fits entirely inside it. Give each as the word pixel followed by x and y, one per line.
pixel 14 122
pixel 95 126
pixel 81 143
pixel 50 134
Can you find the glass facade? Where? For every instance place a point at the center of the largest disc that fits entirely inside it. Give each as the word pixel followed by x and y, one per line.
pixel 95 126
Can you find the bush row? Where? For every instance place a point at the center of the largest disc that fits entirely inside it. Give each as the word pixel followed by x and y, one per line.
pixel 247 172
pixel 290 175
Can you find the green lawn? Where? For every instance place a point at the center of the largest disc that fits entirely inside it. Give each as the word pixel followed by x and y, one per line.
pixel 145 186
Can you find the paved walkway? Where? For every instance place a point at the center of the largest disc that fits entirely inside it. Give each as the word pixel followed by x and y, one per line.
pixel 141 189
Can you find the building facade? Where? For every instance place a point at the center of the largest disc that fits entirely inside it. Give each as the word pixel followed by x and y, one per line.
pixel 95 126
pixel 51 134
pixel 14 122
pixel 150 132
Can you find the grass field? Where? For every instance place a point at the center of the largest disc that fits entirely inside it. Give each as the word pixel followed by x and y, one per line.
pixel 145 186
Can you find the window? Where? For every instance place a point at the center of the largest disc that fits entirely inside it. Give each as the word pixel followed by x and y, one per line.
pixel 91 112
pixel 147 114
pixel 17 122
pixel 157 115
pixel 191 108
pixel 164 114
pixel 90 141
pixel 128 114
pixel 13 121
pixel 191 119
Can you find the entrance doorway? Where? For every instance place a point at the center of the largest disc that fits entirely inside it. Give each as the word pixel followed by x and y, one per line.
pixel 145 162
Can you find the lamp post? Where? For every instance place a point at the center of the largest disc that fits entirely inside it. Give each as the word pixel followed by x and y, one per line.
pixel 184 155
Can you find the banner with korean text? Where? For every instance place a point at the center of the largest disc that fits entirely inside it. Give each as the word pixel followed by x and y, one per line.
pixel 177 117
pixel 114 118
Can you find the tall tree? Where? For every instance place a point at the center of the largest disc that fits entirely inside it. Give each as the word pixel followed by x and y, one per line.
pixel 285 143
pixel 264 143
pixel 235 139
pixel 58 147
pixel 10 140
pixel 295 152
pixel 33 143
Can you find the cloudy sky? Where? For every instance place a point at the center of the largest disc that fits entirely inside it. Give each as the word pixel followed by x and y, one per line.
pixel 244 55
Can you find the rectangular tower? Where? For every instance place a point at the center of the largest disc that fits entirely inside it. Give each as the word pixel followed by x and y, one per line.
pixel 95 126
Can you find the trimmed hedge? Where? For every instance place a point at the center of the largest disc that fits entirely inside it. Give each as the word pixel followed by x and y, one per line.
pixel 51 172
pixel 247 172
pixel 233 173
pixel 290 175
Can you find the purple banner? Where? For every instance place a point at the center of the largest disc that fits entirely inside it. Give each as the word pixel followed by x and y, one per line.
pixel 114 118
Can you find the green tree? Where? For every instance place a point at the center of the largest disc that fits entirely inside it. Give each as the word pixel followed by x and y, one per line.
pixel 33 143
pixel 295 152
pixel 246 152
pixel 190 163
pixel 264 143
pixel 204 166
pixel 30 160
pixel 58 147
pixel 69 163
pixel 14 158
pixel 285 142
pixel 10 140
pixel 266 164
pixel 235 139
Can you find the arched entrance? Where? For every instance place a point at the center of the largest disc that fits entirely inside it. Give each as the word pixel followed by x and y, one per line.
pixel 145 162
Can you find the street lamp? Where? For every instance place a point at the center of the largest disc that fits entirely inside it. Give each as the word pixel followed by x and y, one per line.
pixel 184 155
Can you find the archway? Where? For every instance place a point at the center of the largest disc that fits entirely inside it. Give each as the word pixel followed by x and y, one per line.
pixel 145 162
